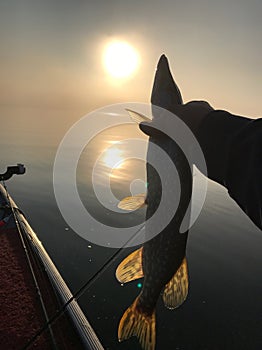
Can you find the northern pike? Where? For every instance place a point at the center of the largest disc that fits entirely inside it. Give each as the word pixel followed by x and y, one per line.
pixel 161 260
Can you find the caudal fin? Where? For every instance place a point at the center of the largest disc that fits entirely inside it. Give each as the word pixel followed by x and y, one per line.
pixel 138 324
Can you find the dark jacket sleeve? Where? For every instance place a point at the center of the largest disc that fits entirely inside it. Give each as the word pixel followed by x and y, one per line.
pixel 232 146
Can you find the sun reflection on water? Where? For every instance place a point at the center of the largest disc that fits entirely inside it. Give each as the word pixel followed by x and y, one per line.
pixel 113 158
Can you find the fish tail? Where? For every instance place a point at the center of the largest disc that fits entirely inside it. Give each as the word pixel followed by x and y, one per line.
pixel 136 323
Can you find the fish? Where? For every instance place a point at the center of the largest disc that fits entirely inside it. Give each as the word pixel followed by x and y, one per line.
pixel 161 261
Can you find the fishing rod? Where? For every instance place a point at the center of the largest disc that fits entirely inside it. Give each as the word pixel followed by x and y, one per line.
pixel 19 170
pixel 83 288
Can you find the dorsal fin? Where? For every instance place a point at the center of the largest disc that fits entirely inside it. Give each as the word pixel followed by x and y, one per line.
pixel 131 267
pixel 176 290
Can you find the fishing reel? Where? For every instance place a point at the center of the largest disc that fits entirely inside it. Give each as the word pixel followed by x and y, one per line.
pixel 18 169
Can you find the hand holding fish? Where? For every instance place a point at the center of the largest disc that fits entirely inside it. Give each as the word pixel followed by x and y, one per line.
pixel 231 144
pixel 227 142
pixel 193 113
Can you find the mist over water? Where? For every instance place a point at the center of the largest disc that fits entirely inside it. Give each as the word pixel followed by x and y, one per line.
pixel 223 309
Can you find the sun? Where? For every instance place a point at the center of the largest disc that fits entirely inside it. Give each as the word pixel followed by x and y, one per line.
pixel 120 59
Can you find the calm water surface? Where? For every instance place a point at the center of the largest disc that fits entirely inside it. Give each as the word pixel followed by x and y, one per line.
pixel 224 306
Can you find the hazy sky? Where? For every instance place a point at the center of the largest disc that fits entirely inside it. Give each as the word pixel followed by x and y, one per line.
pixel 51 51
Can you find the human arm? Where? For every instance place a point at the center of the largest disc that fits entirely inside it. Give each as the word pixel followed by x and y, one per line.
pixel 232 147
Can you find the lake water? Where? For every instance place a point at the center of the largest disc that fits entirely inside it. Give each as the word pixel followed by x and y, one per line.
pixel 224 305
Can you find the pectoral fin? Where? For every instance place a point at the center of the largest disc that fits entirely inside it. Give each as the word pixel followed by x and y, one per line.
pixel 133 202
pixel 176 290
pixel 130 268
pixel 138 117
pixel 145 124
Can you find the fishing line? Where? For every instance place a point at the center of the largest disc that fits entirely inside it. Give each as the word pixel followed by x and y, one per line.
pixel 82 289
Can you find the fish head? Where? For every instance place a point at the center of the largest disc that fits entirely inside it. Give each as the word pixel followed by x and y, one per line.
pixel 166 95
pixel 165 92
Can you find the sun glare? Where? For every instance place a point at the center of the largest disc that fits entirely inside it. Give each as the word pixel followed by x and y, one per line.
pixel 113 158
pixel 120 59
